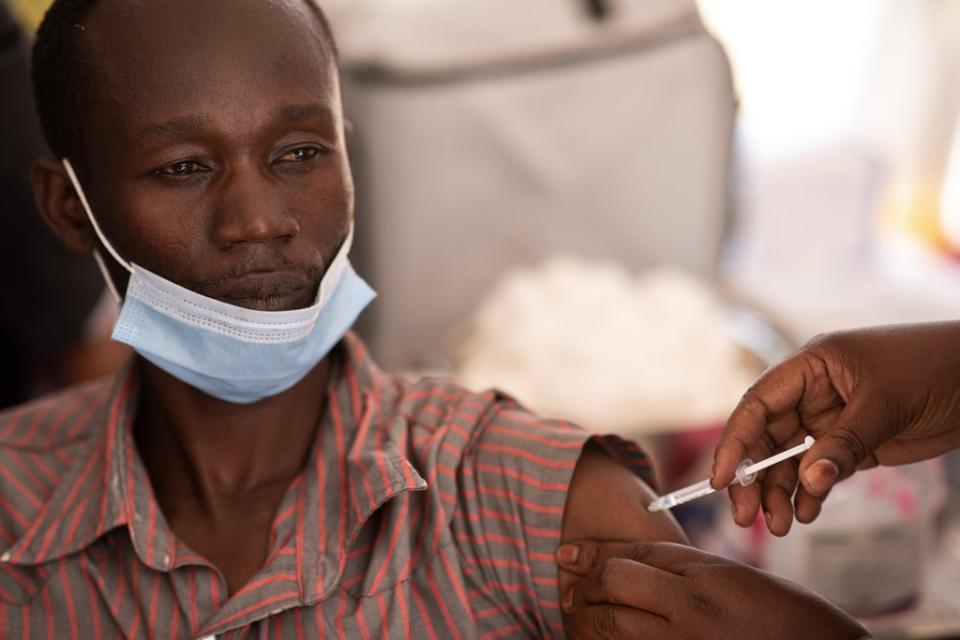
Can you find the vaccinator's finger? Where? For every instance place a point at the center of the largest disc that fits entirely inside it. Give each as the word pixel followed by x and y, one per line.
pixel 611 622
pixel 778 488
pixel 745 503
pixel 629 583
pixel 775 395
pixel 581 556
pixel 807 507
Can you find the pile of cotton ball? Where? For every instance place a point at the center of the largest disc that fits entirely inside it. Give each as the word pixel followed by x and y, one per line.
pixel 591 343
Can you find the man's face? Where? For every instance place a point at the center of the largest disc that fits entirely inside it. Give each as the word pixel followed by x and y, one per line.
pixel 216 148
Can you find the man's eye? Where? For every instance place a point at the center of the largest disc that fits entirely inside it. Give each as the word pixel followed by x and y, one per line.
pixel 182 168
pixel 300 154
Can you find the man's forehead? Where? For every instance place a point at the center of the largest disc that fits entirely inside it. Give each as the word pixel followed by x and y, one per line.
pixel 172 17
pixel 183 30
pixel 176 55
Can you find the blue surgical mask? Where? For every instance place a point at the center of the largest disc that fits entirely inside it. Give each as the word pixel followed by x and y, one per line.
pixel 236 354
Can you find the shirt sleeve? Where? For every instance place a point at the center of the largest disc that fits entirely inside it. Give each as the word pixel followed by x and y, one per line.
pixel 513 482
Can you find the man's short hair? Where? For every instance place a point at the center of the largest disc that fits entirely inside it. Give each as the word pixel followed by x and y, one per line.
pixel 63 74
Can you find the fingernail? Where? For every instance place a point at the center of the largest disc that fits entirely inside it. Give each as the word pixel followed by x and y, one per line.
pixel 769 518
pixel 567 601
pixel 820 476
pixel 713 471
pixel 567 554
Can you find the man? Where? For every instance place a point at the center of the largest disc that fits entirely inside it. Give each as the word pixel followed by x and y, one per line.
pixel 252 473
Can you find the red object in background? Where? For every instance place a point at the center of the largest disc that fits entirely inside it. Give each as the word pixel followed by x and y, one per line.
pixel 683 452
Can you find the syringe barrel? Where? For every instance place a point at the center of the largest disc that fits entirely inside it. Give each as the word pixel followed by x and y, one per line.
pixel 693 492
pixel 680 496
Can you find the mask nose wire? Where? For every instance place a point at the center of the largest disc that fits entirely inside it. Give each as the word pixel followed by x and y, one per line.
pixel 96 228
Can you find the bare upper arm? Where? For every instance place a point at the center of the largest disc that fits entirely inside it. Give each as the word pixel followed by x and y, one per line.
pixel 606 501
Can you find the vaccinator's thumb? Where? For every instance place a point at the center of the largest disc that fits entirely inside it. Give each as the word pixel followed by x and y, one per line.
pixel 820 476
pixel 835 455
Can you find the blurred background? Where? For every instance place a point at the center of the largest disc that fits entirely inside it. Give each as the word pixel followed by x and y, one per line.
pixel 622 211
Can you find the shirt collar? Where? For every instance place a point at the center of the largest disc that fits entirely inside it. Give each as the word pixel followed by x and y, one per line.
pixel 354 468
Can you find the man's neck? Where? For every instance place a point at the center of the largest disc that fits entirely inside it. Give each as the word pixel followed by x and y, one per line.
pixel 199 448
pixel 220 471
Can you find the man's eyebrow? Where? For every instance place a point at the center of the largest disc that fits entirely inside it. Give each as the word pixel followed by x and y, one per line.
pixel 177 127
pixel 303 112
pixel 192 125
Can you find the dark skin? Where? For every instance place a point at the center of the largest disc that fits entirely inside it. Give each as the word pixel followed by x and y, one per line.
pixel 874 396
pixel 216 158
pixel 624 575
pixel 673 592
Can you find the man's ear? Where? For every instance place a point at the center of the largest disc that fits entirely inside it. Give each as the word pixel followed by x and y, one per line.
pixel 60 207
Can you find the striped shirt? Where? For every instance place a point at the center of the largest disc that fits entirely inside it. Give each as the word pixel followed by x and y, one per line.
pixel 424 511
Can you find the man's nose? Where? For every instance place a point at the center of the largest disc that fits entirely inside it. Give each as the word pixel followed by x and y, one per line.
pixel 252 209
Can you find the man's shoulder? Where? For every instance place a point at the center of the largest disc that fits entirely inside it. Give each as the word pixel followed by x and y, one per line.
pixel 39 442
pixel 440 401
pixel 496 433
pixel 491 419
pixel 54 421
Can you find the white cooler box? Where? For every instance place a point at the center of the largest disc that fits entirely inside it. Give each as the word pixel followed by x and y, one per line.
pixel 493 133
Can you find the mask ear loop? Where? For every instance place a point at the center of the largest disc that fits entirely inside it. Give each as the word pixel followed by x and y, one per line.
pixel 106 277
pixel 335 271
pixel 96 228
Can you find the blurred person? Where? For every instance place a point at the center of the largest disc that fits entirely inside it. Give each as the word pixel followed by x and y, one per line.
pixel 51 333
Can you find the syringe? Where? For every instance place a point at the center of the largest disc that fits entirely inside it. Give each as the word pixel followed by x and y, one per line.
pixel 746 474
